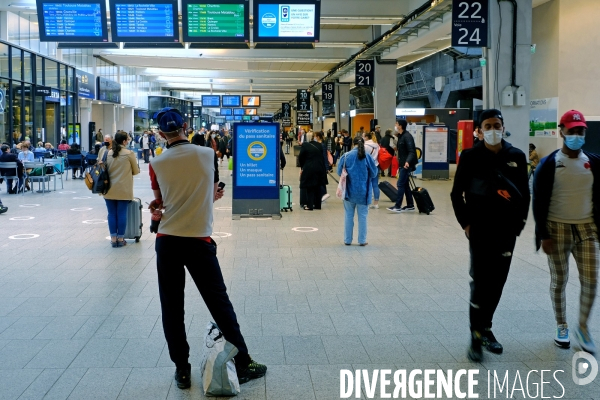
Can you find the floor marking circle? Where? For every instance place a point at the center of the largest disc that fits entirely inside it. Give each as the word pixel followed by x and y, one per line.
pixel 223 208
pixel 29 205
pixel 221 234
pixel 21 218
pixel 95 221
pixel 81 198
pixel 304 229
pixel 67 192
pixel 24 236
pixel 260 219
pixel 81 209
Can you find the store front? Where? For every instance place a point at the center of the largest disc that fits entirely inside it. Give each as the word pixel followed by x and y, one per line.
pixel 37 98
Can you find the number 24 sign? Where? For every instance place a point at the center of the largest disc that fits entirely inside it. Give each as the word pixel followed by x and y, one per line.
pixel 470 23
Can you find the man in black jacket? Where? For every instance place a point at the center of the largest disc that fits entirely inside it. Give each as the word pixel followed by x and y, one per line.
pixel 7 156
pixel 491 198
pixel 407 159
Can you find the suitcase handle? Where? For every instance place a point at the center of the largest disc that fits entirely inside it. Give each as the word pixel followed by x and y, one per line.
pixel 411 182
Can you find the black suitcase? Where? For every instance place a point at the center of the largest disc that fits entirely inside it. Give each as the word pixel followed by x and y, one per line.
pixel 389 190
pixel 422 198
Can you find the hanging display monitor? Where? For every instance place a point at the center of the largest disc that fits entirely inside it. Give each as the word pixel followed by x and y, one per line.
pixel 291 21
pixel 231 101
pixel 137 21
pixel 211 101
pixel 226 112
pixel 237 117
pixel 222 21
pixel 238 111
pixel 251 111
pixel 72 20
pixel 250 101
pixel 108 90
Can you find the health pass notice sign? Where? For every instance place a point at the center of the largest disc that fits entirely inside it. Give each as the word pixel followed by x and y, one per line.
pixel 256 155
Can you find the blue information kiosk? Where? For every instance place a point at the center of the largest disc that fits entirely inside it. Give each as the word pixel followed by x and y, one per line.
pixel 256 171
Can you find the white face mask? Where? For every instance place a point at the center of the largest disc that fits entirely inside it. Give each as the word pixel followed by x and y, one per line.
pixel 493 137
pixel 397 128
pixel 213 136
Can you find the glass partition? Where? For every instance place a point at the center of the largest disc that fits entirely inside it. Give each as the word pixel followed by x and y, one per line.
pixel 27 70
pixel 4 111
pixel 4 60
pixel 51 73
pixel 16 63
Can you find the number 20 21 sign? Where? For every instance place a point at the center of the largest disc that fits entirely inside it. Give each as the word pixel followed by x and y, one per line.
pixel 470 23
pixel 364 73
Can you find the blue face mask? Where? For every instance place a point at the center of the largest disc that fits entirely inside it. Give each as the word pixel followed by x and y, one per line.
pixel 575 142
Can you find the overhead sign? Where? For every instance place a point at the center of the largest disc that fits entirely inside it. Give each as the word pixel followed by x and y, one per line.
pixel 217 21
pixel 286 21
pixel 328 89
pixel 109 90
pixel 138 21
pixel 303 99
pixel 286 122
pixel 43 91
pixel 410 111
pixel 364 73
pixel 72 20
pixel 303 117
pixel 87 85
pixel 470 23
pixel 286 110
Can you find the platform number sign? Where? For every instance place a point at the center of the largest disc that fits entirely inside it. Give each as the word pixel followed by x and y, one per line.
pixel 328 90
pixel 364 73
pixel 286 110
pixel 303 100
pixel 470 23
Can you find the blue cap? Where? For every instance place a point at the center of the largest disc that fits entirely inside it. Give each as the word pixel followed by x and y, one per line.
pixel 169 120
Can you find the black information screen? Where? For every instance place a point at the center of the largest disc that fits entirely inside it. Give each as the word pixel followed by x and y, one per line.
pixel 211 101
pixel 136 21
pixel 216 20
pixel 231 101
pixel 72 21
pixel 238 111
pixel 303 100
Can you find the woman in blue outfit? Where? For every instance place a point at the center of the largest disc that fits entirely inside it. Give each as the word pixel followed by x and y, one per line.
pixel 361 170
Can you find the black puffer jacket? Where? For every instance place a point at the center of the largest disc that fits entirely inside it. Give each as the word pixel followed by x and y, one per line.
pixel 407 152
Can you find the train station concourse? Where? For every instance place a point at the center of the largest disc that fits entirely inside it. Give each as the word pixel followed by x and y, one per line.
pixel 300 200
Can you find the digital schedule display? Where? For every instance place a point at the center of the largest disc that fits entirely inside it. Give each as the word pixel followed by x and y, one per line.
pixel 250 101
pixel 226 112
pixel 72 21
pixel 231 101
pixel 211 101
pixel 216 21
pixel 238 111
pixel 251 111
pixel 136 21
pixel 292 21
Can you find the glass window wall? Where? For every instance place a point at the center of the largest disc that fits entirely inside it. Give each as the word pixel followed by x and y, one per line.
pixel 16 63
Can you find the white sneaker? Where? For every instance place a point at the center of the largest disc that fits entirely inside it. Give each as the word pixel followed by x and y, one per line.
pixel 325 197
pixel 374 206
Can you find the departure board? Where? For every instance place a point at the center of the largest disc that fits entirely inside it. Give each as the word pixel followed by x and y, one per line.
pixel 211 101
pixel 136 21
pixel 231 101
pixel 216 21
pixel 72 21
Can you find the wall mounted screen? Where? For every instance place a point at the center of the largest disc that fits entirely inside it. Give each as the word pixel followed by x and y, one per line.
pixel 222 21
pixel 231 101
pixel 211 101
pixel 250 101
pixel 108 90
pixel 251 111
pixel 238 111
pixel 226 112
pixel 72 20
pixel 292 21
pixel 238 117
pixel 137 21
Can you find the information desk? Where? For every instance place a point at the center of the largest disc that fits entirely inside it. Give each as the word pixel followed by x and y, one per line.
pixel 256 170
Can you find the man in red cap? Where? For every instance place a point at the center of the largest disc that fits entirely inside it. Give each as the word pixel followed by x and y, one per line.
pixel 566 200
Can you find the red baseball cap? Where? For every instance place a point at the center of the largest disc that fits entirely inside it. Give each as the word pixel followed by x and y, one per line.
pixel 573 118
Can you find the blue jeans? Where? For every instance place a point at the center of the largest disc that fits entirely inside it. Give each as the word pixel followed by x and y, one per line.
pixel 404 189
pixel 362 210
pixel 375 184
pixel 117 217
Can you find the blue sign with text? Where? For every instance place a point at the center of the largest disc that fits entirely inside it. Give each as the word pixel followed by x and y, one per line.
pixel 256 160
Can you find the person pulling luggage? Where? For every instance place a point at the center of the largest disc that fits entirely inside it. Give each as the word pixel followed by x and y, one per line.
pixel 490 197
pixel 407 160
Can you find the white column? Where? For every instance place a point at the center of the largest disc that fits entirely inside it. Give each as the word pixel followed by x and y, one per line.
pixel 385 93
pixel 342 104
pixel 498 76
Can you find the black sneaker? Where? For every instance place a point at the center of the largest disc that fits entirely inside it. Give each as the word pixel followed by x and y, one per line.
pixel 254 370
pixel 408 208
pixel 3 209
pixel 475 352
pixel 490 342
pixel 182 376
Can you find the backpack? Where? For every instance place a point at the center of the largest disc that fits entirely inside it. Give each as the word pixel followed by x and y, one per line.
pixel 291 135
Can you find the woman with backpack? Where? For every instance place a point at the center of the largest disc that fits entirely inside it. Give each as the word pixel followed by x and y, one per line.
pixel 361 170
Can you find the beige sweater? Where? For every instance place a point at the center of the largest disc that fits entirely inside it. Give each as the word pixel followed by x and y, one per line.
pixel 121 171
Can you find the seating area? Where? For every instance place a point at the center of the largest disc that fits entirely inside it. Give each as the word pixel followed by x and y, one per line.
pixel 43 170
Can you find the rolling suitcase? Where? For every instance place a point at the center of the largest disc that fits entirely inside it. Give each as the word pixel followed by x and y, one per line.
pixel 285 196
pixel 134 220
pixel 422 198
pixel 389 190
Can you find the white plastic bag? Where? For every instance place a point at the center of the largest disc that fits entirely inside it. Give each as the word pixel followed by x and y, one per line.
pixel 219 377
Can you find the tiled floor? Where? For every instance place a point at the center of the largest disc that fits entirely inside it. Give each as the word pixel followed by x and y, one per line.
pixel 81 320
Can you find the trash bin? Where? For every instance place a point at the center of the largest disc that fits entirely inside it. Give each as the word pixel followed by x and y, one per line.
pixel 297 150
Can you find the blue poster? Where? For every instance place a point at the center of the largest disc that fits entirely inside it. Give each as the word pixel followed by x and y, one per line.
pixel 256 155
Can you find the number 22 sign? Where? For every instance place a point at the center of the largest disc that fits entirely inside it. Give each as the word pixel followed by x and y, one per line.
pixel 470 23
